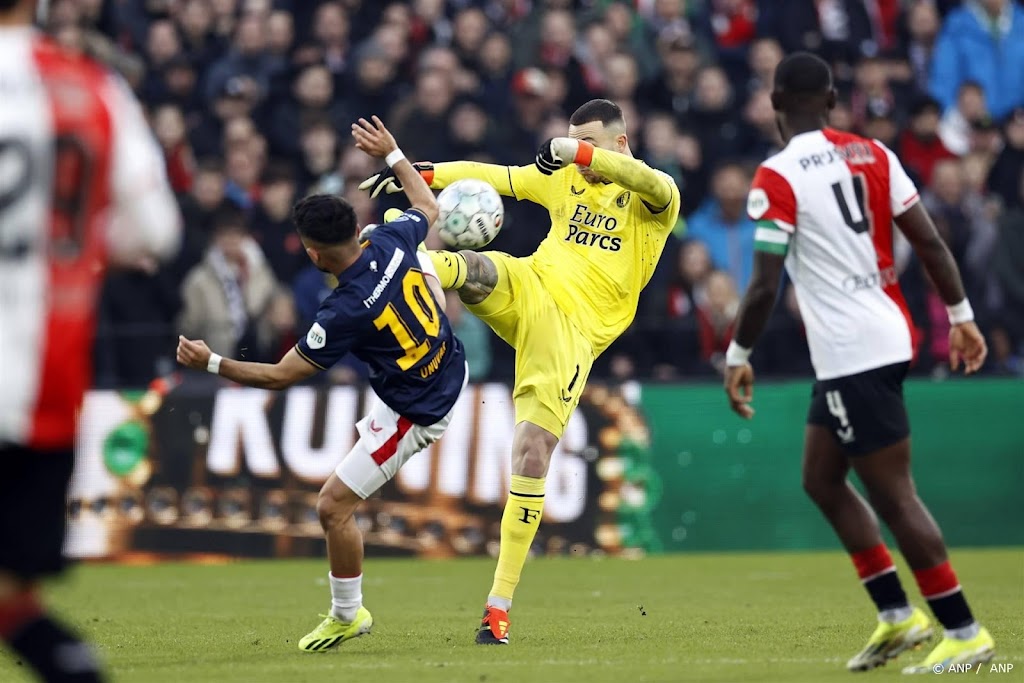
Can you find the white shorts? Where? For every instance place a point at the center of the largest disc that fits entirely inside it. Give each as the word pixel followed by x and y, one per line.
pixel 386 442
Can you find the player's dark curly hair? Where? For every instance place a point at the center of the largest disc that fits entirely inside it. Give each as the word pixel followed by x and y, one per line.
pixel 605 111
pixel 325 218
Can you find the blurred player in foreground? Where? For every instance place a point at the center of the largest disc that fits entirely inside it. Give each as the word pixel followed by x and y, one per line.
pixel 824 208
pixel 563 306
pixel 82 187
pixel 383 311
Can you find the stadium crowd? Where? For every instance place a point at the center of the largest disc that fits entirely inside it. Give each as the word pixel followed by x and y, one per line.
pixel 251 101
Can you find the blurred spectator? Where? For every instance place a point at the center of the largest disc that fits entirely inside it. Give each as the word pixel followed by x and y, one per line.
pixel 732 24
pixel 721 222
pixel 280 34
pixel 841 117
pixel 983 42
pixel 1008 256
pixel 872 96
pixel 195 24
pixel 922 27
pixel 248 69
pixel 558 50
pixel 470 29
pixel 232 300
pixel 242 169
pixel 674 88
pixel 312 97
pixel 523 122
pixel 474 335
pixel 920 147
pixel 765 54
pixel 495 74
pixel 964 222
pixel 622 78
pixel 669 308
pixel 271 223
pixel 840 31
pixel 1008 170
pixel 373 90
pixel 679 156
pixel 716 315
pixel 760 133
pixel 881 126
pixel 169 127
pixel 318 166
pixel 331 31
pixel 957 122
pixel 470 134
pixel 714 118
pixel 423 126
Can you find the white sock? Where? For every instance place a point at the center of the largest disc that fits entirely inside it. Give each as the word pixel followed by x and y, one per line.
pixel 896 614
pixel 346 597
pixel 503 604
pixel 964 632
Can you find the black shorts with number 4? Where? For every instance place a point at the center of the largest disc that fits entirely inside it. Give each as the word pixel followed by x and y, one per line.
pixel 864 412
pixel 33 510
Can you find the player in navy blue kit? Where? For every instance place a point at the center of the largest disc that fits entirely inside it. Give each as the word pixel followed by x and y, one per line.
pixel 385 312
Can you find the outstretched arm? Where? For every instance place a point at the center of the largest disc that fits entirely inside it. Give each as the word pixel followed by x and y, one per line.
pixel 655 189
pixel 288 371
pixel 377 141
pixel 518 182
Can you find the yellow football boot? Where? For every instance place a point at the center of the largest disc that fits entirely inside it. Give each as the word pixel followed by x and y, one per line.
pixel 889 640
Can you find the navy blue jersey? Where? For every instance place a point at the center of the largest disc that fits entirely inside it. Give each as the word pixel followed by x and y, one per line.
pixel 384 313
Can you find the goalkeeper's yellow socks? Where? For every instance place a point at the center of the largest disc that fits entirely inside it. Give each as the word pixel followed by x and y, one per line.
pixel 519 525
pixel 451 272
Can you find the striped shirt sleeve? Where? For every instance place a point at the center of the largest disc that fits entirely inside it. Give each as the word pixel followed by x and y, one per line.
pixel 772 205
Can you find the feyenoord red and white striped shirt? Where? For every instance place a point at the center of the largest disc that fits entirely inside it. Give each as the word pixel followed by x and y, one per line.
pixel 81 181
pixel 827 201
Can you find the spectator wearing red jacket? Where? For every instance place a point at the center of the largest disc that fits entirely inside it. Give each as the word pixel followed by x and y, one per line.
pixel 920 145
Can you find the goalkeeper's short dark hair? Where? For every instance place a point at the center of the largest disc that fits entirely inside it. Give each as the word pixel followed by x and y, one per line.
pixel 325 218
pixel 605 111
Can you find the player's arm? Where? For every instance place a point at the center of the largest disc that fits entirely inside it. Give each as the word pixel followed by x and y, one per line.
pixel 772 204
pixel 377 141
pixel 290 370
pixel 518 182
pixel 145 221
pixel 755 310
pixel 656 190
pixel 965 339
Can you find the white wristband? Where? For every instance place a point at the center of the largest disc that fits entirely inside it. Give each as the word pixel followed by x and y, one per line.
pixel 736 355
pixel 960 313
pixel 394 157
pixel 213 365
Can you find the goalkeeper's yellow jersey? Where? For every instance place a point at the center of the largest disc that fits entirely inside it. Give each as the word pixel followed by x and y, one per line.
pixel 604 241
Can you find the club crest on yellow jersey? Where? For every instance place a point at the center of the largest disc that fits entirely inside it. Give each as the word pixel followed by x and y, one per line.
pixel 622 200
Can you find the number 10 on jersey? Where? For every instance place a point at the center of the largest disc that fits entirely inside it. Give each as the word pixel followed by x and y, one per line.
pixel 420 303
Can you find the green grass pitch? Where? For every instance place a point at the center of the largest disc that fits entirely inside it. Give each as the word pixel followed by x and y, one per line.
pixel 702 617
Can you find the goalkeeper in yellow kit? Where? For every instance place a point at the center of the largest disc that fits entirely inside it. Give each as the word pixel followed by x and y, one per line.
pixel 561 307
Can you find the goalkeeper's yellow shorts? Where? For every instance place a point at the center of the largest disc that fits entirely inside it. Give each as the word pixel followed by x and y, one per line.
pixel 553 358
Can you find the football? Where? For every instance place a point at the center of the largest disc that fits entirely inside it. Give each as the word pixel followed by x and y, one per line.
pixel 471 214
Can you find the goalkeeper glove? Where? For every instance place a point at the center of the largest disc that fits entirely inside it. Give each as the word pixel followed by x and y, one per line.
pixel 387 182
pixel 557 153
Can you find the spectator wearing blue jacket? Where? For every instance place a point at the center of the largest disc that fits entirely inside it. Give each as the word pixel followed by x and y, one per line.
pixel 722 224
pixel 982 41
